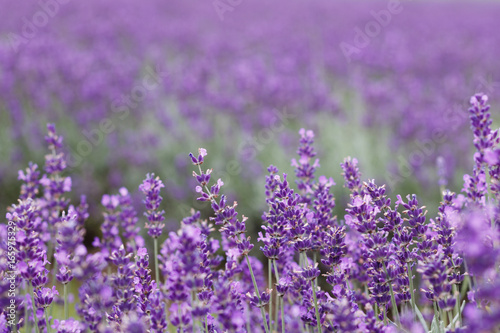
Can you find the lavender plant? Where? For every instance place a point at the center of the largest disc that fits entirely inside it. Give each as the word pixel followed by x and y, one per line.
pixel 381 267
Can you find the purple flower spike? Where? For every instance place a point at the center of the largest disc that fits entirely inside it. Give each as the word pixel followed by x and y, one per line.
pixel 158 320
pixel 142 281
pixel 351 174
pixel 29 189
pixel 201 154
pixel 151 187
pixel 304 167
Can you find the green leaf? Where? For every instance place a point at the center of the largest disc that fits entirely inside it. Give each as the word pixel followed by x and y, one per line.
pixel 421 319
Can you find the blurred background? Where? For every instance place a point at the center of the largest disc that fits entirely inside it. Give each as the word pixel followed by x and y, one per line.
pixel 134 86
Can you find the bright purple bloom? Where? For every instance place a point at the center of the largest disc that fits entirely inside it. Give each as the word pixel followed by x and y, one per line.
pixel 142 281
pixel 31 182
pixel 305 166
pixel 151 187
pixel 158 321
pixel 45 296
pixel 351 174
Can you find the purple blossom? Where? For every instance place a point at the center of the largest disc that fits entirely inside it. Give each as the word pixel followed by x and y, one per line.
pixel 142 281
pixel 351 174
pixel 31 182
pixel 158 321
pixel 151 187
pixel 45 296
pixel 305 166
pixel 123 280
pixel 436 272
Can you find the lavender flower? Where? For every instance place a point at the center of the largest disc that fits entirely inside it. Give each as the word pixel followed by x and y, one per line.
pixel 122 283
pixel 351 175
pixel 111 240
pixel 151 187
pixel 53 183
pixel 226 216
pixel 333 251
pixel 142 281
pixel 69 241
pixel 158 321
pixel 45 296
pixel 276 238
pixel 436 272
pixel 29 189
pixel 485 139
pixel 305 166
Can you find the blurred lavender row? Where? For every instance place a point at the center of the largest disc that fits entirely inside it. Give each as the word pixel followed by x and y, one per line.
pixel 128 79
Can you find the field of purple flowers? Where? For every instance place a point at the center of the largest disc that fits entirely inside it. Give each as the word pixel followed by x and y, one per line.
pixel 383 267
pixel 124 81
pixel 119 229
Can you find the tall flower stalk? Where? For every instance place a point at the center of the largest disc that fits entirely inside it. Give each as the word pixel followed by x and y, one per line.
pixel 151 187
pixel 227 218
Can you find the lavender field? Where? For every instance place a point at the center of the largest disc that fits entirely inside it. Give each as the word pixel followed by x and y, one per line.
pixel 249 166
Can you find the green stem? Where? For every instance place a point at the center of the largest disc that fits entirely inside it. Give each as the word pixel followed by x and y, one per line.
pixel 395 313
pixel 66 312
pixel 314 262
pixel 206 324
pixel 443 316
pixel 26 316
pixel 282 315
pixel 436 316
pixel 266 327
pixel 54 270
pixel 270 284
pixel 412 292
pixel 47 320
pixel 157 272
pixel 277 275
pixel 276 310
pixel 450 318
pixel 488 187
pixel 471 280
pixel 457 295
pixel 276 315
pixel 385 316
pixel 304 259
pixel 195 322
pixel 179 313
pixel 318 318
pixel 31 291
pixel 457 305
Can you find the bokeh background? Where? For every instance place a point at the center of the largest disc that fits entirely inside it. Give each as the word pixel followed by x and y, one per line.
pixel 134 86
